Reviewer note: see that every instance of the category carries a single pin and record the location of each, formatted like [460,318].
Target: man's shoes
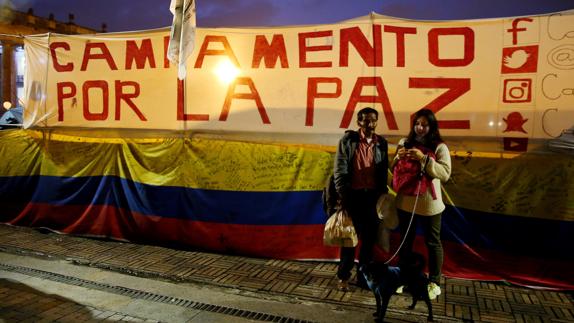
[343,285]
[434,290]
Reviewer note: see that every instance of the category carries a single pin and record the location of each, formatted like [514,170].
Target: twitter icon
[523,59]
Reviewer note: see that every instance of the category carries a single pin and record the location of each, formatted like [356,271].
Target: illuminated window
[20,69]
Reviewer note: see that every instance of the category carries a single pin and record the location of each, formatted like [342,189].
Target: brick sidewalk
[461,299]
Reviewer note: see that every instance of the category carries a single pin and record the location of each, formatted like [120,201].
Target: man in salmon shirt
[360,175]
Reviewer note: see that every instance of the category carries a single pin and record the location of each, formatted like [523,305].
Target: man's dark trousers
[361,206]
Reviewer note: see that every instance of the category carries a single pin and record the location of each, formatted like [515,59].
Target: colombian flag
[507,218]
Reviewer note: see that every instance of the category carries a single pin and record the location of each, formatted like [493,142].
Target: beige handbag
[387,211]
[339,231]
[383,237]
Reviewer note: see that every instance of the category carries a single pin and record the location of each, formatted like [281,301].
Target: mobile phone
[408,145]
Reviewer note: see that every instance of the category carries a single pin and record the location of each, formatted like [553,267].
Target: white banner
[510,77]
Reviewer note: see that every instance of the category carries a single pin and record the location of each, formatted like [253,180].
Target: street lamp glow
[226,71]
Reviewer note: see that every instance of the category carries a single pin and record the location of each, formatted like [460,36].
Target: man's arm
[341,169]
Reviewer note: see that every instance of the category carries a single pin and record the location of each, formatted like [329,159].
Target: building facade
[14,25]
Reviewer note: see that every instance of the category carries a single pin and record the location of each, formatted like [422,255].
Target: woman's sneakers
[434,290]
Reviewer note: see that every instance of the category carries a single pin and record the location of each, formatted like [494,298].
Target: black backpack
[330,196]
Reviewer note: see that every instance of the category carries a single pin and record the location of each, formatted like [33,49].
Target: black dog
[384,280]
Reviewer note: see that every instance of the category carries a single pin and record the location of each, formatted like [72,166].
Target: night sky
[124,15]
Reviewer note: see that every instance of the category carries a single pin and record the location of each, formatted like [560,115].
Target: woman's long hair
[432,138]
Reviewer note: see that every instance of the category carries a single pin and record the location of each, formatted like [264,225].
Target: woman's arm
[399,153]
[441,167]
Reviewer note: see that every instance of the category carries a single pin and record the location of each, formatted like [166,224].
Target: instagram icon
[517,90]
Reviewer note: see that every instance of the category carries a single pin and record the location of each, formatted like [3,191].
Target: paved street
[52,277]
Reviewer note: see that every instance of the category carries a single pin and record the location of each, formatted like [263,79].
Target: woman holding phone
[421,163]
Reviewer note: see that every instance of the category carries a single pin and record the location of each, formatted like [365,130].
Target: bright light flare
[226,71]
